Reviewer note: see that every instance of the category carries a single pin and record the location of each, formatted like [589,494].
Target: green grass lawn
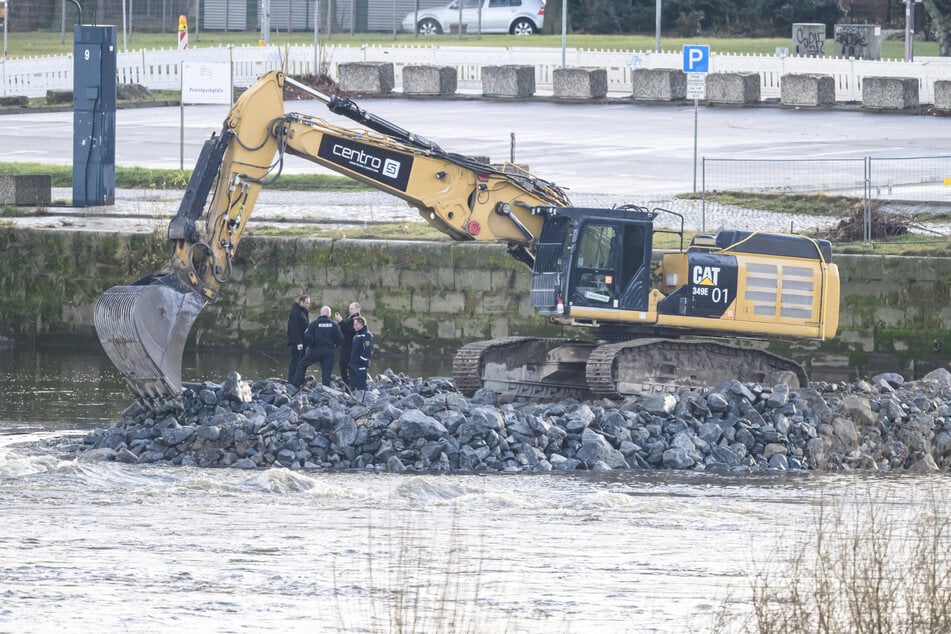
[153,178]
[40,43]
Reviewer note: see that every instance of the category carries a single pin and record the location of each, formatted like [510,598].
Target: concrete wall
[419,296]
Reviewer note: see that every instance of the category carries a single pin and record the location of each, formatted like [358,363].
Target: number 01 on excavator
[654,323]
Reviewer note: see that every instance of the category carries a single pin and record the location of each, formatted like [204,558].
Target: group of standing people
[317,341]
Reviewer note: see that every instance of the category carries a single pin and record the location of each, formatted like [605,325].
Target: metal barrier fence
[158,69]
[920,184]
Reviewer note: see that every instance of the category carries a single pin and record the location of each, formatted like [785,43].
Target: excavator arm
[143,326]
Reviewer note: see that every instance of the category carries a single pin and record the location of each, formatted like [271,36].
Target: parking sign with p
[696,58]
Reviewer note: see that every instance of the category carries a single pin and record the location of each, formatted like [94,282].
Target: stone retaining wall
[419,296]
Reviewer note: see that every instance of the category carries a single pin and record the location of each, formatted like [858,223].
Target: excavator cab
[595,259]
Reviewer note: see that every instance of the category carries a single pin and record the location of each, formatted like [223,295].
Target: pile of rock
[425,425]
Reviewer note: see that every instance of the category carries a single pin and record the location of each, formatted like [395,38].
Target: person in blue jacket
[322,337]
[360,353]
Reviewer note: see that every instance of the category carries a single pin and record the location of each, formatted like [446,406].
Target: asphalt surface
[603,153]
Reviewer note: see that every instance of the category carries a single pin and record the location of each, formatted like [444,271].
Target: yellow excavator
[654,323]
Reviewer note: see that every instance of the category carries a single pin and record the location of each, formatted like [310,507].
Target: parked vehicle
[518,17]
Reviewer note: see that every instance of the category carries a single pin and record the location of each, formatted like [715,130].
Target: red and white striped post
[182,32]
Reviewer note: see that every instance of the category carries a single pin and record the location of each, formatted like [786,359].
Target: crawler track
[556,368]
[663,365]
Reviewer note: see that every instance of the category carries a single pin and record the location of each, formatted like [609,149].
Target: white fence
[159,69]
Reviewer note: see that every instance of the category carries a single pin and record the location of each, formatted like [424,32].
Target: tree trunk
[552,25]
[940,13]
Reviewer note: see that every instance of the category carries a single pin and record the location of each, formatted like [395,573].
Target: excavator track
[558,368]
[644,366]
[531,367]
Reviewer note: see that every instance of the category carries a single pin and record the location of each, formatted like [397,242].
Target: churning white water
[106,547]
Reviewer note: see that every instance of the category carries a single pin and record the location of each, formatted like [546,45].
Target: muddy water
[113,547]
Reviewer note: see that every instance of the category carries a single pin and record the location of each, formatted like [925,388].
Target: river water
[115,547]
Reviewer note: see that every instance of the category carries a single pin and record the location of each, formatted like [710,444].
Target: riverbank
[406,424]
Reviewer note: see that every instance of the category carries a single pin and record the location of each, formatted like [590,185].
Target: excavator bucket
[143,329]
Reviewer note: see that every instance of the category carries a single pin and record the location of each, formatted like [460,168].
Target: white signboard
[206,82]
[696,86]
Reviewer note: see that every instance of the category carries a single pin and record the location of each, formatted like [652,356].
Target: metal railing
[920,183]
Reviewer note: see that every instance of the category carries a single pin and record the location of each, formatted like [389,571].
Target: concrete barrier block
[942,94]
[736,88]
[26,190]
[659,84]
[508,81]
[807,90]
[580,83]
[368,78]
[429,80]
[889,93]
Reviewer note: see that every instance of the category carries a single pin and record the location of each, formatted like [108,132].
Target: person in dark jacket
[297,321]
[346,327]
[322,337]
[360,353]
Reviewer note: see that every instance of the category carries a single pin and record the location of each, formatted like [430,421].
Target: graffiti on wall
[810,40]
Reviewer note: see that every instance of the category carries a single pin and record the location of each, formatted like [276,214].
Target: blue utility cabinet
[94,115]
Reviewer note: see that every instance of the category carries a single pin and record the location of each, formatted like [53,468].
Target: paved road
[603,153]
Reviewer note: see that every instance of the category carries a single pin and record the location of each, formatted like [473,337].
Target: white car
[518,17]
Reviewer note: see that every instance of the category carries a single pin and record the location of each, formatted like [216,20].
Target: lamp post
[265,22]
[564,30]
[657,26]
[910,29]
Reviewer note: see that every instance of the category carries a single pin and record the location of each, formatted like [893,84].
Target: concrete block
[429,80]
[737,88]
[368,78]
[659,84]
[580,83]
[808,39]
[942,94]
[508,81]
[889,93]
[861,41]
[26,190]
[807,90]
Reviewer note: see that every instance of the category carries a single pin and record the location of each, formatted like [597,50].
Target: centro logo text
[389,167]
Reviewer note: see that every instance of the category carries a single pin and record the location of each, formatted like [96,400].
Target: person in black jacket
[322,337]
[346,327]
[360,353]
[297,321]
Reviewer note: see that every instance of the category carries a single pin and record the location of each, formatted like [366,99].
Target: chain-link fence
[917,187]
